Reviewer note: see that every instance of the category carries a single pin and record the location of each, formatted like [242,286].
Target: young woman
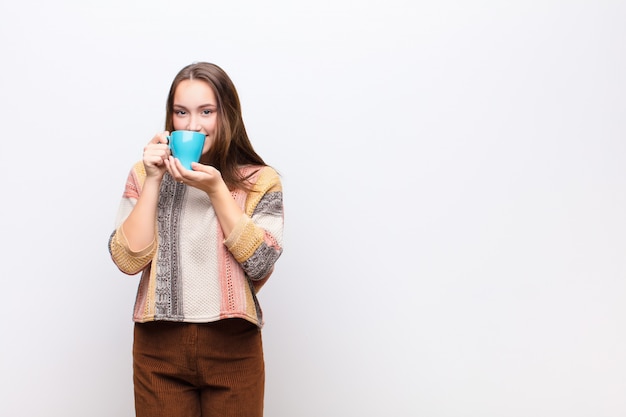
[205,241]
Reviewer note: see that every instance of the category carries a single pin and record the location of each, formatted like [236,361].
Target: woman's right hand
[154,155]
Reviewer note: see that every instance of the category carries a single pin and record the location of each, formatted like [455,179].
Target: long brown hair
[231,147]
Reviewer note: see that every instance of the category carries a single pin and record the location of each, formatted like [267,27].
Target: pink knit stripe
[134,182]
[141,312]
[233,280]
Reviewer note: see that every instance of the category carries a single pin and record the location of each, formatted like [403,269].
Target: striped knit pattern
[192,272]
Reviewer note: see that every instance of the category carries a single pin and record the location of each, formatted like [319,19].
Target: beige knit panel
[200,238]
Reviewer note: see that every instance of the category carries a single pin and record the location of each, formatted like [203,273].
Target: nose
[193,124]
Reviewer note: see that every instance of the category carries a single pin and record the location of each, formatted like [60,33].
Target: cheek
[178,124]
[210,126]
[208,141]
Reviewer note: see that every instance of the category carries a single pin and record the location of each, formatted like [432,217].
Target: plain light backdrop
[455,194]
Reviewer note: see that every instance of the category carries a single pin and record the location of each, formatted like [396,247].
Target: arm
[133,243]
[139,226]
[127,260]
[256,240]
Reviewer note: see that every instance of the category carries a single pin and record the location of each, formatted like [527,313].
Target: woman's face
[195,108]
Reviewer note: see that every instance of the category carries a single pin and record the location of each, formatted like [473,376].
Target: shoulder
[136,178]
[266,178]
[265,185]
[139,169]
[139,172]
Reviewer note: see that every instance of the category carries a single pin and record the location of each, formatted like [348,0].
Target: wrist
[219,191]
[153,178]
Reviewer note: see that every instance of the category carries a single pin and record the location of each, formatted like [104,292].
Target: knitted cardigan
[191,272]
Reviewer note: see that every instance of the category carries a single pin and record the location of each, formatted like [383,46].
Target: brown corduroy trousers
[198,370]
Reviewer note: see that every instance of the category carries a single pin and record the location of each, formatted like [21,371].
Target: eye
[207,112]
[180,112]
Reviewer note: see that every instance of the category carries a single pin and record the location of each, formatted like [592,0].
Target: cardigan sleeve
[256,240]
[128,261]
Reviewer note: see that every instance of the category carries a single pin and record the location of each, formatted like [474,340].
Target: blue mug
[186,145]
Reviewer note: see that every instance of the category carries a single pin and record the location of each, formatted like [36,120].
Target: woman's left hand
[203,177]
[209,180]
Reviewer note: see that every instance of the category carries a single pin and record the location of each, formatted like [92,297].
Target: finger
[172,168]
[160,138]
[197,166]
[156,150]
[179,166]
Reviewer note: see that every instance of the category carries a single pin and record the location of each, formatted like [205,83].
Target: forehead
[194,92]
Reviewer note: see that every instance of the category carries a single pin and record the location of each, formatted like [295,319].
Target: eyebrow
[180,106]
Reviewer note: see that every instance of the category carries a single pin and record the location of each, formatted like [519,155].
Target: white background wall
[455,191]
